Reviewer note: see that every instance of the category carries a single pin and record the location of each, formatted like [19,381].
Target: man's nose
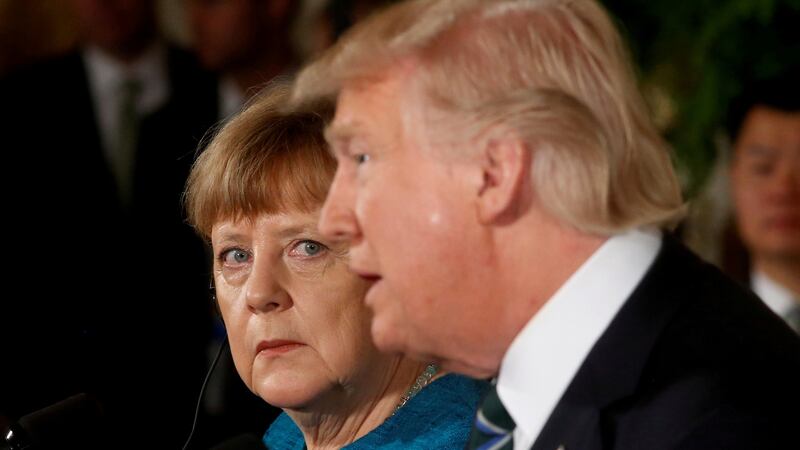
[337,219]
[785,183]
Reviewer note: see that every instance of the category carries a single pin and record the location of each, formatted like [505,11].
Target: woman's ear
[506,167]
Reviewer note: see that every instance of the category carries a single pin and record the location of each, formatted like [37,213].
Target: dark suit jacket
[107,300]
[692,361]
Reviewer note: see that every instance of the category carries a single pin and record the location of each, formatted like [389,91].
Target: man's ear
[505,161]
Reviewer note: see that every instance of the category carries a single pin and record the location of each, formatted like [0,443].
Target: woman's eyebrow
[228,234]
[296,229]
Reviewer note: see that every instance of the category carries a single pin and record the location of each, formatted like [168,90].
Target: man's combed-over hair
[554,72]
[267,159]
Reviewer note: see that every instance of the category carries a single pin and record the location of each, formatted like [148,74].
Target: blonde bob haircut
[267,159]
[555,73]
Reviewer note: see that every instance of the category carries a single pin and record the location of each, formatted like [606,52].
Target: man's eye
[361,158]
[308,248]
[235,256]
[761,169]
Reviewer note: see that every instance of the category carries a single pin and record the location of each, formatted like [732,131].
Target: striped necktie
[124,154]
[493,428]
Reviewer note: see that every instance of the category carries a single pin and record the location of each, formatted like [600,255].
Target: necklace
[422,380]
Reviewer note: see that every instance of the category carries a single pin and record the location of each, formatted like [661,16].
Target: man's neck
[127,57]
[130,51]
[350,413]
[562,251]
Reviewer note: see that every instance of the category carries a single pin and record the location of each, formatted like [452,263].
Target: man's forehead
[363,105]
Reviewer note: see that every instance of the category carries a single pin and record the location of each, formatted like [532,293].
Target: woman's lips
[277,347]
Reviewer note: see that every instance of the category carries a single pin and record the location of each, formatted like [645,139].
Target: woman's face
[298,329]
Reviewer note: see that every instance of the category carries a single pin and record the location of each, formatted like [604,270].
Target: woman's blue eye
[235,256]
[361,158]
[310,248]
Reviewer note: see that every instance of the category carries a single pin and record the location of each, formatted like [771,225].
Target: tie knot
[493,411]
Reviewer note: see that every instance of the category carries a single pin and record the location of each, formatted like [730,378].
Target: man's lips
[277,346]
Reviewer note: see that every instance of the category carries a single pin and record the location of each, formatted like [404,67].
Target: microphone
[203,390]
[76,422]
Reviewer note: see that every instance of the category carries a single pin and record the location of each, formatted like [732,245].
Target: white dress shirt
[106,74]
[779,299]
[545,356]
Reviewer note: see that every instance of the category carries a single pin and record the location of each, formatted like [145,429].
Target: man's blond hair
[554,72]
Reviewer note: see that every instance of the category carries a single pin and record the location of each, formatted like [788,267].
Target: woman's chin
[290,392]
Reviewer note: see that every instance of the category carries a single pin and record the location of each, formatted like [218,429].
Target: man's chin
[458,367]
[387,339]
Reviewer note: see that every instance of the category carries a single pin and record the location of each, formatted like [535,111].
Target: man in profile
[501,184]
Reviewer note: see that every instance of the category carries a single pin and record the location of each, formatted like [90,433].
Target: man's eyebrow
[759,150]
[337,133]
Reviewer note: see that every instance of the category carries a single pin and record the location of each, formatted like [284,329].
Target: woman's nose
[264,292]
[337,219]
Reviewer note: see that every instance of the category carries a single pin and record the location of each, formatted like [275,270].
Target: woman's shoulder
[440,416]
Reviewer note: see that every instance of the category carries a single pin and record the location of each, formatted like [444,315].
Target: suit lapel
[613,368]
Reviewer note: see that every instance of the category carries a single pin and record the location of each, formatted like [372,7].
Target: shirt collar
[545,356]
[779,299]
[106,74]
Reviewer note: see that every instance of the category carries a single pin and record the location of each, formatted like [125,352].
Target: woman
[298,327]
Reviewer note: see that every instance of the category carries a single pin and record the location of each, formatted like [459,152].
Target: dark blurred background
[107,290]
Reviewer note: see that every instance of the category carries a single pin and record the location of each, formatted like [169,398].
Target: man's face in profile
[766,183]
[408,216]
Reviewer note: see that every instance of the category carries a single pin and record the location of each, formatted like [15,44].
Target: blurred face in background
[765,179]
[230,33]
[121,27]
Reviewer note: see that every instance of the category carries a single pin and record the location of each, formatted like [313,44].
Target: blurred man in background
[765,183]
[99,141]
[246,42]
